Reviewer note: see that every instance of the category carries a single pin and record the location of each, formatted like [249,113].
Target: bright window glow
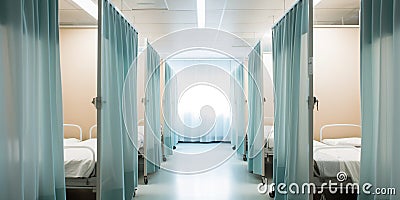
[198,96]
[88,6]
[201,13]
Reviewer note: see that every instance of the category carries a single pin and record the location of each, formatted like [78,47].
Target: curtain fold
[239,110]
[255,132]
[118,155]
[152,110]
[170,138]
[290,43]
[380,95]
[31,122]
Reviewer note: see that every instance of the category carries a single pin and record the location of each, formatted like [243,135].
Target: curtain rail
[283,17]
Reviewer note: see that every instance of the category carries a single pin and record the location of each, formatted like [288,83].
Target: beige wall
[268,89]
[141,77]
[337,79]
[78,52]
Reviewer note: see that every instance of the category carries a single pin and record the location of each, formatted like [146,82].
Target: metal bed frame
[81,183]
[75,126]
[334,125]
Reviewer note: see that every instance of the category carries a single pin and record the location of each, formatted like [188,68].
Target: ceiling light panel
[88,6]
[146,4]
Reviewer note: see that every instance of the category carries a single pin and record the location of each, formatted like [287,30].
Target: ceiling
[337,12]
[241,21]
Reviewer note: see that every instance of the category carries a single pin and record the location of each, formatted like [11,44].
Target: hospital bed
[140,137]
[268,141]
[140,141]
[336,160]
[332,156]
[140,147]
[330,160]
[80,161]
[73,139]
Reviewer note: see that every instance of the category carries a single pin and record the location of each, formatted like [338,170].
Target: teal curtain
[380,95]
[152,111]
[290,43]
[238,102]
[256,112]
[233,130]
[118,156]
[170,138]
[31,122]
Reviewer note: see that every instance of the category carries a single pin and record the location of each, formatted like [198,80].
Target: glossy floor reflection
[230,180]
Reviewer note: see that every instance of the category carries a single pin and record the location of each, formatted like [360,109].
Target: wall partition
[31,120]
[117,155]
[292,48]
[380,95]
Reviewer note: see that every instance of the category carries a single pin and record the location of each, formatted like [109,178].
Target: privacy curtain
[255,132]
[170,138]
[152,110]
[118,156]
[31,123]
[380,95]
[291,160]
[238,106]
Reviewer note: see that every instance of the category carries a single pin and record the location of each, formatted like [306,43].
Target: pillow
[318,144]
[353,141]
[70,141]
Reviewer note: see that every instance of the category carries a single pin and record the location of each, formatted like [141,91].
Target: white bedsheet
[269,136]
[78,162]
[333,159]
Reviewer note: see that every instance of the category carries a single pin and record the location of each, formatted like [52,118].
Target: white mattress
[269,136]
[80,160]
[331,160]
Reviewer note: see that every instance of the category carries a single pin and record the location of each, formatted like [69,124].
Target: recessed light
[201,13]
[88,6]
